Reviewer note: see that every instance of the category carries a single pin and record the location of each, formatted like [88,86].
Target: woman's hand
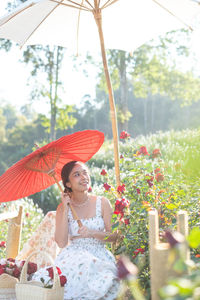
[84,232]
[65,200]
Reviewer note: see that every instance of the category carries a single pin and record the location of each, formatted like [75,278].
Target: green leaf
[194,238]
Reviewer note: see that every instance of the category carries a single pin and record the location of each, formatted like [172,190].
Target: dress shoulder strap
[70,216]
[98,207]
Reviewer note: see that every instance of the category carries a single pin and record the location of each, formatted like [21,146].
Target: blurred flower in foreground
[125,268]
[174,238]
[127,272]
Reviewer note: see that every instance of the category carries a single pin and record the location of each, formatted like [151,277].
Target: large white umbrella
[80,24]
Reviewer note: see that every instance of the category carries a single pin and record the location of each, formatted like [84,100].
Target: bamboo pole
[98,19]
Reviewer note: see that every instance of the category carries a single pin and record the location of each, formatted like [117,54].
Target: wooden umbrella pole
[98,19]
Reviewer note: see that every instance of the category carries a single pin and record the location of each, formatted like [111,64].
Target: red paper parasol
[42,168]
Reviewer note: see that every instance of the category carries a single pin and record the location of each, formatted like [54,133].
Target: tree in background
[46,62]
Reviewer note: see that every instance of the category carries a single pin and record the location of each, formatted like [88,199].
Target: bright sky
[14,76]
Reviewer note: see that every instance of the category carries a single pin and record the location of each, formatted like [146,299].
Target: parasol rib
[166,9]
[108,3]
[40,24]
[79,14]
[68,5]
[88,3]
[14,15]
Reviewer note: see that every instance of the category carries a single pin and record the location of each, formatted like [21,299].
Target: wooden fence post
[159,251]
[14,235]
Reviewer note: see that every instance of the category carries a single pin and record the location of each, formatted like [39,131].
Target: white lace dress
[89,267]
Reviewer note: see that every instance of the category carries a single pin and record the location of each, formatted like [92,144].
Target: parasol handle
[52,173]
[75,216]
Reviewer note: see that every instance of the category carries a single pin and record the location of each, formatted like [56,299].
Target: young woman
[89,267]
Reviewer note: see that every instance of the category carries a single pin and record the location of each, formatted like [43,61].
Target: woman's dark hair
[66,170]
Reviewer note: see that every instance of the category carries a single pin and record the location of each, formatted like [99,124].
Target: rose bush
[152,177]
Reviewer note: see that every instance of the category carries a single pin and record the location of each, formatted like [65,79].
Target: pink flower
[103,172]
[124,135]
[107,187]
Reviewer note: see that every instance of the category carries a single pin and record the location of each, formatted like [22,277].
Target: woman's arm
[106,235]
[61,232]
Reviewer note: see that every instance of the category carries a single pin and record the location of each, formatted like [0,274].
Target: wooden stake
[14,235]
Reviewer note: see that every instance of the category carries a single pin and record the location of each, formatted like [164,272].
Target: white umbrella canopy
[79,25]
[126,24]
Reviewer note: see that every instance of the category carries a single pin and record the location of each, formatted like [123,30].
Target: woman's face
[79,178]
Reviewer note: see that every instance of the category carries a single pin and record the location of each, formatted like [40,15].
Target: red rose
[32,268]
[121,188]
[11,260]
[120,205]
[156,153]
[137,251]
[107,187]
[150,180]
[138,191]
[3,244]
[157,170]
[143,150]
[159,177]
[126,221]
[2,270]
[16,272]
[51,273]
[90,189]
[27,215]
[121,156]
[103,172]
[63,280]
[124,135]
